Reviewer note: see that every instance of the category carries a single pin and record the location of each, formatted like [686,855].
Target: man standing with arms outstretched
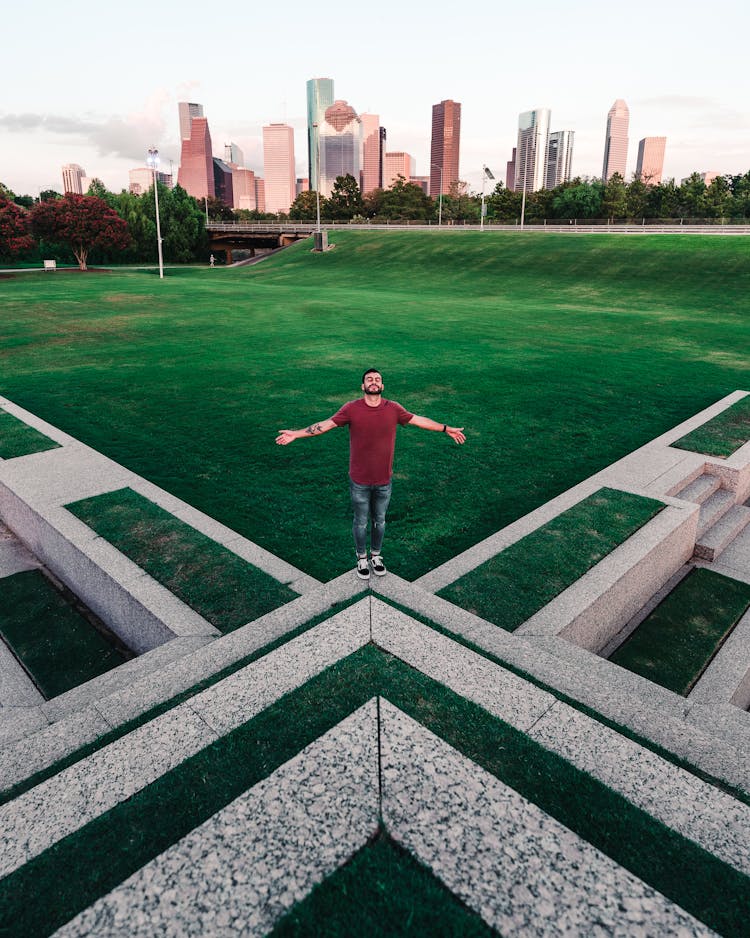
[372,422]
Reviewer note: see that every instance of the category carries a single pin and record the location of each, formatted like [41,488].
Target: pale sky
[97,84]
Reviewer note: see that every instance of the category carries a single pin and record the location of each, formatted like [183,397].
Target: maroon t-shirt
[372,438]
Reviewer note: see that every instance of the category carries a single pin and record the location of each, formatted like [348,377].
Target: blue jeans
[369,501]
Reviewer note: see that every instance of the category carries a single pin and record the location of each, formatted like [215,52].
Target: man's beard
[374,391]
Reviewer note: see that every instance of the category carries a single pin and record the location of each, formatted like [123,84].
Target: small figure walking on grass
[211,261]
[372,422]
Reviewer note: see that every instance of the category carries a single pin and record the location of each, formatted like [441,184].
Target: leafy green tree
[98,189]
[47,194]
[503,204]
[614,198]
[83,222]
[25,201]
[460,205]
[692,195]
[718,200]
[663,201]
[217,210]
[345,200]
[15,230]
[740,186]
[636,198]
[578,199]
[304,207]
[183,224]
[404,201]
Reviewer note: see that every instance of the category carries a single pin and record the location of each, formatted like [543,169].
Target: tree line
[105,227]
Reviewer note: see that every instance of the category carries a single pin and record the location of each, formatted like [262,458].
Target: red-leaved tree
[83,222]
[15,231]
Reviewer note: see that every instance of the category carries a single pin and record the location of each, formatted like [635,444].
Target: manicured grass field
[218,584]
[56,645]
[722,435]
[509,588]
[19,439]
[558,354]
[55,885]
[676,642]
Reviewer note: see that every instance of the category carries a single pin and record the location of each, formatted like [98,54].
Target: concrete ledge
[727,677]
[595,608]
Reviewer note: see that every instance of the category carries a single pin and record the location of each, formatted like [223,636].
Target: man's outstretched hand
[455,433]
[285,437]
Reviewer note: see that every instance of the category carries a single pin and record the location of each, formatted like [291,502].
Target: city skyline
[103,108]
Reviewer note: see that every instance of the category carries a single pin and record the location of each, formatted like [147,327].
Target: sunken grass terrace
[557,354]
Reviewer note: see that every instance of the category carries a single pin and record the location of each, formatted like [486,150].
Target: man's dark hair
[369,372]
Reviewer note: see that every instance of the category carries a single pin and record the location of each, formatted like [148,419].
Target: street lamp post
[317,175]
[486,174]
[153,161]
[440,198]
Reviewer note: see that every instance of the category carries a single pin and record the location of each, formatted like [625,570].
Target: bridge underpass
[226,237]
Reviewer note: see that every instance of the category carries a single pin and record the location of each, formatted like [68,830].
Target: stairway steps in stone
[700,489]
[710,544]
[713,509]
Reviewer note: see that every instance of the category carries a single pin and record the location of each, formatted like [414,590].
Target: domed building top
[339,114]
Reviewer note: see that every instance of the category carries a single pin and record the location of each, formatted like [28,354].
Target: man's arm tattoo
[313,429]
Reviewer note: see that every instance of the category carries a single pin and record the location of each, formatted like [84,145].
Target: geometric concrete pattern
[682,762]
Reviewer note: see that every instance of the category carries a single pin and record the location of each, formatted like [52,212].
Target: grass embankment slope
[557,353]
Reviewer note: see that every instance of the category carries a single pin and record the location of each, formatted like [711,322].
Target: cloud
[128,137]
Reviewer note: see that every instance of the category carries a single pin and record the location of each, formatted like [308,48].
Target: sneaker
[363,568]
[378,567]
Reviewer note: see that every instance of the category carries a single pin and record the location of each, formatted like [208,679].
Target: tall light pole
[486,174]
[317,174]
[440,198]
[153,161]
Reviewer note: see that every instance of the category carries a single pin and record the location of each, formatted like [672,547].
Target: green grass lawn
[677,641]
[557,354]
[510,587]
[722,435]
[19,439]
[218,584]
[56,645]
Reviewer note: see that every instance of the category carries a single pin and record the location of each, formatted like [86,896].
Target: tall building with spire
[340,145]
[319,99]
[196,174]
[616,140]
[445,147]
[187,111]
[531,150]
[278,167]
[650,165]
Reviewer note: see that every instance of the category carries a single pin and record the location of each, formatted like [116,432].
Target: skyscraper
[510,171]
[559,158]
[243,188]
[444,151]
[278,167]
[616,140]
[187,111]
[319,99]
[233,155]
[196,174]
[531,150]
[397,164]
[650,164]
[73,176]
[223,181]
[373,154]
[340,145]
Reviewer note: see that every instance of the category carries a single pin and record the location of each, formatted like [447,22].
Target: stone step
[720,535]
[713,509]
[700,489]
